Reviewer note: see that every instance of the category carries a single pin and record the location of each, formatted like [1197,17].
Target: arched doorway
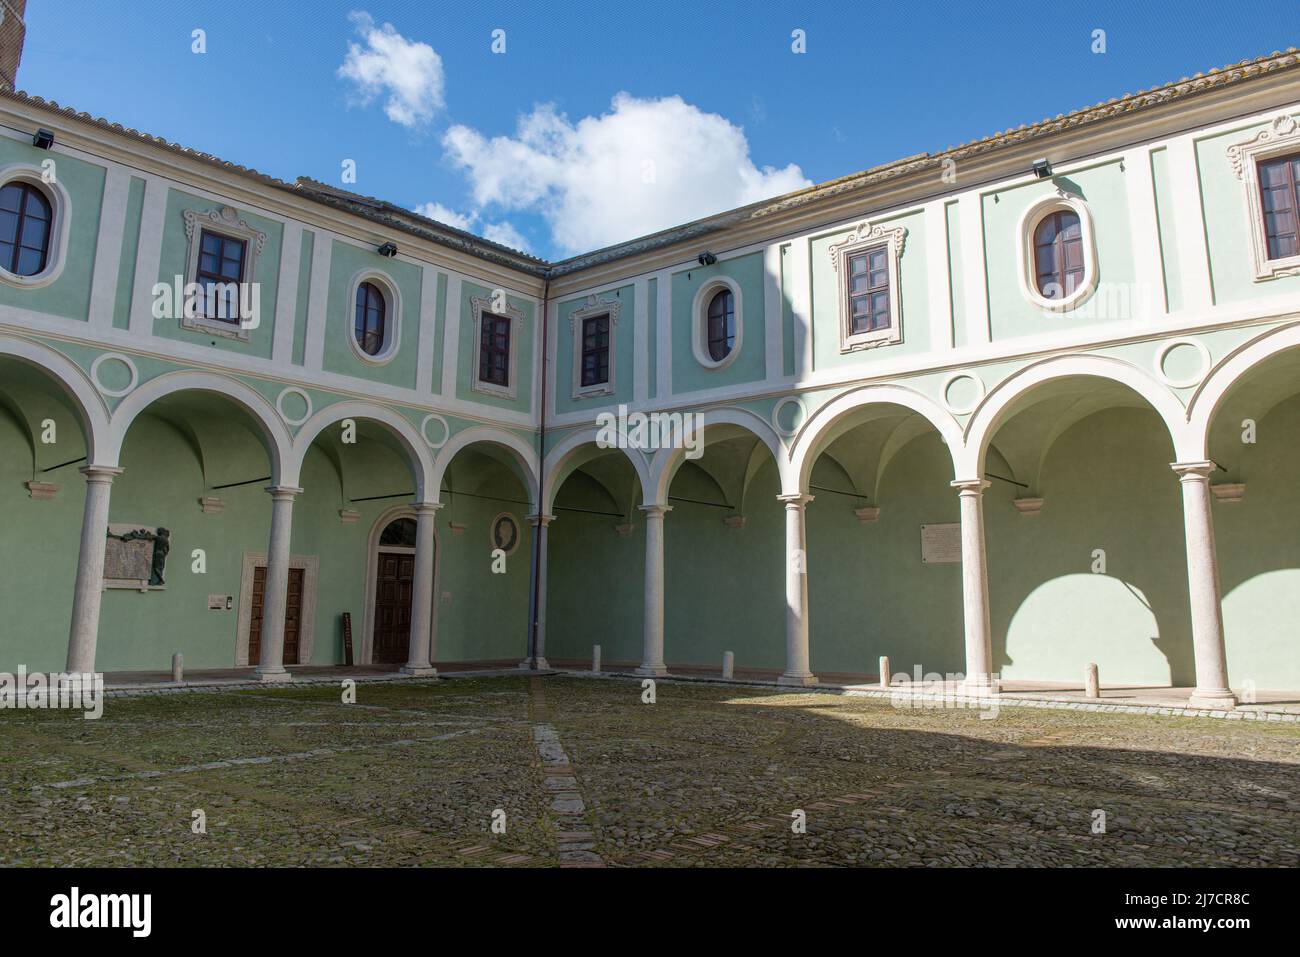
[390,587]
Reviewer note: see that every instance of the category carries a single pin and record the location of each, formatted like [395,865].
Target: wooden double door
[394,586]
[292,616]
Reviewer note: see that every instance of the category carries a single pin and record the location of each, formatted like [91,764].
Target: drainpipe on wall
[533,596]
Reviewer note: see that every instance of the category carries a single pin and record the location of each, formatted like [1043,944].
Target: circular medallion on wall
[788,416]
[963,392]
[294,406]
[1182,363]
[114,374]
[435,430]
[504,532]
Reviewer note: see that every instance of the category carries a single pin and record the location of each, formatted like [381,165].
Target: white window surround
[1281,137]
[392,316]
[225,221]
[700,321]
[593,307]
[865,237]
[60,225]
[479,306]
[1029,220]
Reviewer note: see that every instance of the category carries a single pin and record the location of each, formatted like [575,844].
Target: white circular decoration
[114,357]
[776,416]
[279,405]
[964,408]
[1188,381]
[446,430]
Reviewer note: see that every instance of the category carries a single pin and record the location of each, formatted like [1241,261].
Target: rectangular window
[869,291]
[494,350]
[1277,192]
[595,350]
[221,270]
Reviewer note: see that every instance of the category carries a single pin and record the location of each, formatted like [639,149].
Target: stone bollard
[884,671]
[595,659]
[1091,686]
[178,668]
[728,665]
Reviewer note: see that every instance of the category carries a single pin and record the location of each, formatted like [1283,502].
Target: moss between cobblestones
[412,773]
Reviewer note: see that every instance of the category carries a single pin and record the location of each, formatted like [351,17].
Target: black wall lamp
[388,249]
[707,258]
[1042,168]
[43,139]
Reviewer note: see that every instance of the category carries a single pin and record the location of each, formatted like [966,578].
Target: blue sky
[715,107]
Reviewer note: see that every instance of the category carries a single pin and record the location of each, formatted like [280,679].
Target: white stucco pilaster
[975,278]
[286,296]
[147,257]
[1189,225]
[108,247]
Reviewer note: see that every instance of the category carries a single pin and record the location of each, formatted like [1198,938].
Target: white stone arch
[400,427]
[1227,373]
[278,444]
[524,454]
[664,464]
[76,385]
[991,411]
[803,454]
[556,467]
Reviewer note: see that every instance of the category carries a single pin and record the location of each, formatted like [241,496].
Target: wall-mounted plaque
[135,557]
[941,544]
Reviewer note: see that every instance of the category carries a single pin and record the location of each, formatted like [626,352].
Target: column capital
[283,492]
[656,509]
[100,473]
[423,507]
[973,486]
[1194,471]
[542,520]
[795,499]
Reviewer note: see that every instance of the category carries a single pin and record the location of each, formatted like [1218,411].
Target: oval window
[25,220]
[1058,254]
[721,325]
[370,319]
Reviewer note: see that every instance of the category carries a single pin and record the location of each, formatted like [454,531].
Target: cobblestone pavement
[586,773]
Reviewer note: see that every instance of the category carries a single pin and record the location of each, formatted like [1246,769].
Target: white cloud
[473,222]
[408,73]
[646,165]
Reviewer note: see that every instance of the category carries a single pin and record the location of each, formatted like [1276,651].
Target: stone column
[652,654]
[1203,588]
[975,589]
[275,600]
[796,593]
[420,659]
[540,525]
[89,589]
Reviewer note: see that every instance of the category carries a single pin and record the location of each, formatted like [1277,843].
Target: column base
[980,688]
[535,664]
[654,671]
[419,671]
[269,677]
[1217,700]
[797,679]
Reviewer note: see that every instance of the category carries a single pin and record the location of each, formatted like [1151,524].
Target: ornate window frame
[392,315]
[700,321]
[1034,214]
[862,238]
[479,306]
[56,256]
[593,307]
[225,221]
[1280,138]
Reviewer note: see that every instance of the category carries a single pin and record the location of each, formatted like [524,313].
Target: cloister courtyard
[554,770]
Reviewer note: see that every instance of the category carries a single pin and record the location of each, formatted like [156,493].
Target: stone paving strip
[261,759]
[574,835]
